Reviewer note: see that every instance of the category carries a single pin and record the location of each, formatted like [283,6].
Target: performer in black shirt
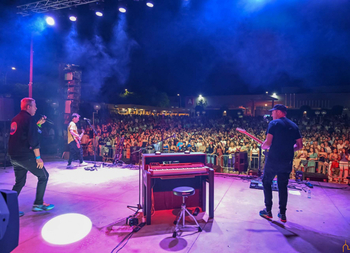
[24,151]
[283,138]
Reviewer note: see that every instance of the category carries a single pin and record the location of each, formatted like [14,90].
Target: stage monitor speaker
[316,177]
[241,161]
[9,241]
[7,110]
[241,157]
[134,157]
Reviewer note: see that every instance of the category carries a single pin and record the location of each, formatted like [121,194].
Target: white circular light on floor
[66,228]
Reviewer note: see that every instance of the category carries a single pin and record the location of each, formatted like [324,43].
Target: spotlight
[50,21]
[13,68]
[150,4]
[122,6]
[97,7]
[72,14]
[73,18]
[66,228]
[122,9]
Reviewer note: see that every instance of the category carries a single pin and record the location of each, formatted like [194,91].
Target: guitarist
[283,138]
[74,138]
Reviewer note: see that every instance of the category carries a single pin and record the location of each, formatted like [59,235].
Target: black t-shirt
[285,133]
[24,136]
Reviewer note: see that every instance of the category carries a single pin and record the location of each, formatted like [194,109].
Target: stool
[184,192]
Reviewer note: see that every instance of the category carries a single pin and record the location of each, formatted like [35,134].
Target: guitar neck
[249,135]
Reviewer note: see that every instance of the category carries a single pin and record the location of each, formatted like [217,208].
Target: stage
[317,224]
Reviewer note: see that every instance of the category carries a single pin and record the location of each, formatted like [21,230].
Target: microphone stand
[259,165]
[139,206]
[95,146]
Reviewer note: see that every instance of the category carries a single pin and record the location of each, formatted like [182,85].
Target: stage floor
[317,224]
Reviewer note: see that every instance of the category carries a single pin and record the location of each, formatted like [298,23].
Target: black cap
[279,107]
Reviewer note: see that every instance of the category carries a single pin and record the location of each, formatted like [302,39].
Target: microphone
[87,119]
[46,119]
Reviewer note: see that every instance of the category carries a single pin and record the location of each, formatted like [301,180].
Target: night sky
[192,47]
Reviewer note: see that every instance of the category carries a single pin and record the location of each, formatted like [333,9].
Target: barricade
[240,162]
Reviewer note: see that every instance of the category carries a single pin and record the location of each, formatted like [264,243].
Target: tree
[201,104]
[163,100]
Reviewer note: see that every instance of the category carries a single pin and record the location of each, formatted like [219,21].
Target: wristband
[37,157]
[39,125]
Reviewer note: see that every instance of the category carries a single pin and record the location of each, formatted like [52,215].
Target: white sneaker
[83,164]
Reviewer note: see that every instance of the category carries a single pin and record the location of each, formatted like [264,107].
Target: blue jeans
[231,161]
[211,159]
[255,162]
[225,160]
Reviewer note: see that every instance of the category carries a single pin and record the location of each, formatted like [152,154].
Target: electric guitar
[243,131]
[78,139]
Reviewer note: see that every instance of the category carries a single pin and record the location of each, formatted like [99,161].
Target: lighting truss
[49,5]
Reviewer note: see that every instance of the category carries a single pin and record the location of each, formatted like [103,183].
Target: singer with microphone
[24,151]
[75,149]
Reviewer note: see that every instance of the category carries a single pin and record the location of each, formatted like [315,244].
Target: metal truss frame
[49,5]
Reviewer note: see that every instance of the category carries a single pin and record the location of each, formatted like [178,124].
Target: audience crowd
[325,139]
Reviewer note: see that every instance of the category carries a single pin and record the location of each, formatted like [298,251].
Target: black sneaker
[283,217]
[265,214]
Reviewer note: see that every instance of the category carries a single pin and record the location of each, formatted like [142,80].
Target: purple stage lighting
[122,10]
[50,21]
[98,13]
[73,18]
[149,4]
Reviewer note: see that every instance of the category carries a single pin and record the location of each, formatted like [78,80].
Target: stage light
[73,18]
[97,7]
[150,4]
[13,68]
[122,9]
[66,228]
[122,6]
[50,21]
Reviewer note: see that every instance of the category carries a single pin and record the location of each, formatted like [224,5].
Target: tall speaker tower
[72,88]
